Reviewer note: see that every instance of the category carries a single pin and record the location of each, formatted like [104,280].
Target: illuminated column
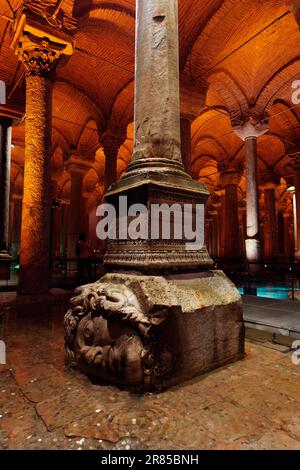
[111,146]
[289,246]
[297,205]
[186,143]
[5,162]
[243,224]
[222,224]
[55,220]
[214,233]
[16,224]
[39,51]
[77,169]
[230,181]
[35,232]
[270,220]
[249,132]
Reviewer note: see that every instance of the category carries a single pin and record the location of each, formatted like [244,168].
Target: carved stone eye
[88,334]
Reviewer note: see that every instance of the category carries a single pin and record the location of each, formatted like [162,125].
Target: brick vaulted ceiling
[235,56]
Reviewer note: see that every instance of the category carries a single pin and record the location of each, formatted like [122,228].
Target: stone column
[161,314]
[289,246]
[230,181]
[270,221]
[16,224]
[5,162]
[214,233]
[35,232]
[186,143]
[39,48]
[77,169]
[55,220]
[297,204]
[249,132]
[157,101]
[111,146]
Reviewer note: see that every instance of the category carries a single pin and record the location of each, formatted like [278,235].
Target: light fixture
[291,189]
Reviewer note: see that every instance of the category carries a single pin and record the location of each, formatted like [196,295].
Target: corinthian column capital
[111,144]
[39,46]
[39,61]
[251,127]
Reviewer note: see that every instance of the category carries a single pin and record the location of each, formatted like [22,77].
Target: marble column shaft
[297,211]
[253,242]
[36,211]
[5,163]
[157,101]
[270,223]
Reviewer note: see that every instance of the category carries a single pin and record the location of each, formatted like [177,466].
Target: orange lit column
[296,166]
[111,146]
[186,143]
[5,161]
[270,221]
[249,132]
[214,233]
[55,219]
[77,210]
[16,224]
[230,181]
[288,235]
[35,232]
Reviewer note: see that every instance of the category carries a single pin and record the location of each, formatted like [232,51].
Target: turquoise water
[271,292]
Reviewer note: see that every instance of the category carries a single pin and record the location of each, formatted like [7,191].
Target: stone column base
[150,332]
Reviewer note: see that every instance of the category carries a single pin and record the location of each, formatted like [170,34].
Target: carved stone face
[109,335]
[110,349]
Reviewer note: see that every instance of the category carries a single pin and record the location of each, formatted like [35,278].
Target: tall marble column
[111,146]
[5,162]
[16,224]
[230,181]
[297,205]
[270,220]
[186,143]
[77,210]
[249,132]
[35,232]
[289,246]
[39,49]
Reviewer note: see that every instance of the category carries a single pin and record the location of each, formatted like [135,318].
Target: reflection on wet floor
[253,404]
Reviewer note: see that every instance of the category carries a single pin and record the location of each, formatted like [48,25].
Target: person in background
[84,253]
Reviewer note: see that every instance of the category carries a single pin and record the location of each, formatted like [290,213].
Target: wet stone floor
[253,404]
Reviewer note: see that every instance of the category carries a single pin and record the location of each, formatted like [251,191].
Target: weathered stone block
[154,331]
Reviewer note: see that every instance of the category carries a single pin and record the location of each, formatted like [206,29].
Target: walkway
[281,317]
[252,404]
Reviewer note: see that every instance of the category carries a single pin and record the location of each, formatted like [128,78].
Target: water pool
[279,292]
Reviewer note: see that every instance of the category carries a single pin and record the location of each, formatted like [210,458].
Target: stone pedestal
[150,332]
[161,316]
